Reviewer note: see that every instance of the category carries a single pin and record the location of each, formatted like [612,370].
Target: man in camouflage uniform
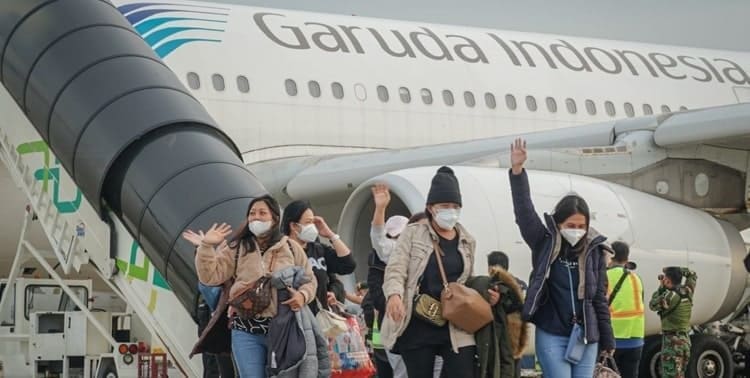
[673,301]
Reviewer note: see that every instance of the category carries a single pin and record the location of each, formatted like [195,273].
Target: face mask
[447,218]
[259,228]
[572,235]
[308,233]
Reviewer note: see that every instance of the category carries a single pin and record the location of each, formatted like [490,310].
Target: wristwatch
[334,238]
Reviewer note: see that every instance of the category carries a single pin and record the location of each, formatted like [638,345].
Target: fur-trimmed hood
[518,330]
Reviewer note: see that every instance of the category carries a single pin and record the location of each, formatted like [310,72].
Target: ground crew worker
[626,307]
[673,301]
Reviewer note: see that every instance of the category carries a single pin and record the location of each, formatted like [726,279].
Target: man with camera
[673,301]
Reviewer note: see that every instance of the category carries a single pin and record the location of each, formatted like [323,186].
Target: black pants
[382,365]
[627,361]
[420,362]
[214,365]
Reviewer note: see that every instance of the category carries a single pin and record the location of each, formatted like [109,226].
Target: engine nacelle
[660,232]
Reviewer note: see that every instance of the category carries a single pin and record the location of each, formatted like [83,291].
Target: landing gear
[709,358]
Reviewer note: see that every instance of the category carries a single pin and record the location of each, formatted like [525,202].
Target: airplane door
[742,94]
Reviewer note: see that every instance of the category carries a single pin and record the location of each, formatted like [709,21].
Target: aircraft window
[571,105]
[291,87]
[551,105]
[647,110]
[469,99]
[314,88]
[629,109]
[218,82]
[489,100]
[665,109]
[610,107]
[194,81]
[383,93]
[338,90]
[531,103]
[403,92]
[242,84]
[683,108]
[360,92]
[510,101]
[426,96]
[448,97]
[590,107]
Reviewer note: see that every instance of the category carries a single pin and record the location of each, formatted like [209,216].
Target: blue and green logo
[166,27]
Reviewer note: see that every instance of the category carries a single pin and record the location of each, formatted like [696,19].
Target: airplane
[244,100]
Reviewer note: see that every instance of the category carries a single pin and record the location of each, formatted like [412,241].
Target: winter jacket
[315,363]
[503,340]
[407,264]
[545,244]
[214,268]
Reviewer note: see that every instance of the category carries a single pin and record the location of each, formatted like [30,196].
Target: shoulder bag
[463,306]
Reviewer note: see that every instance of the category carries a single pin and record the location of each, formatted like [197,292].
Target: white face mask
[572,235]
[447,218]
[259,228]
[308,233]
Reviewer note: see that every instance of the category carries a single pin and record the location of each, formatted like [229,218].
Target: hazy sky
[710,24]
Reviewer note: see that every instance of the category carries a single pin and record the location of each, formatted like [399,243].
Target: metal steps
[69,242]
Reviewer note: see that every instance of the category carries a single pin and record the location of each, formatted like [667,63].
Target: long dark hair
[570,205]
[244,237]
[292,214]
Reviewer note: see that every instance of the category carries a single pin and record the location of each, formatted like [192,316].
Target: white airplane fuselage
[358,55]
[286,84]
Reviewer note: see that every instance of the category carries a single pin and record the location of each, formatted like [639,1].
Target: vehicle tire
[709,358]
[650,357]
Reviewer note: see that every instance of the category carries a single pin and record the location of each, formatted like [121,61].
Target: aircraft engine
[660,232]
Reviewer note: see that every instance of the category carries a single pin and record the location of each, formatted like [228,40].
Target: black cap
[444,188]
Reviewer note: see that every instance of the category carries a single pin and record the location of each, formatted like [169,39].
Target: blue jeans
[211,295]
[249,353]
[550,350]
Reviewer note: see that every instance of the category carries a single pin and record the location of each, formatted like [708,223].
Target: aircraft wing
[320,176]
[724,127]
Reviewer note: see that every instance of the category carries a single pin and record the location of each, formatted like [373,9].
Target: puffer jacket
[545,243]
[315,363]
[406,264]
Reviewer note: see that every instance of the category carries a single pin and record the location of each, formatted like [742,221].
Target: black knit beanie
[444,188]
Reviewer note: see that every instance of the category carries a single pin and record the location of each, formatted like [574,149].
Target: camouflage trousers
[675,353]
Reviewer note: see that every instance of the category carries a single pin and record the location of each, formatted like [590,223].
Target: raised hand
[322,227]
[192,237]
[381,195]
[217,234]
[517,155]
